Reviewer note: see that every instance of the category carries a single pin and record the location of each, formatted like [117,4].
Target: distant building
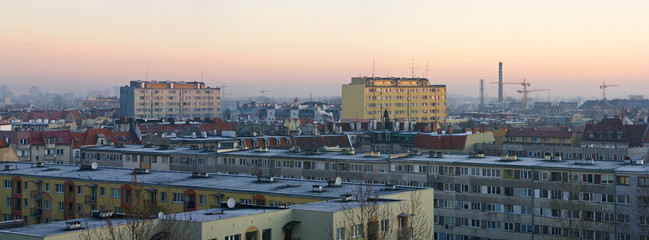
[152,99]
[408,99]
[101,102]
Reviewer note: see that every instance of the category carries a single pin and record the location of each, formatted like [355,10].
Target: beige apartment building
[166,99]
[405,99]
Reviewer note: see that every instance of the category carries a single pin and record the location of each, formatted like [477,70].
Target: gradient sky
[298,47]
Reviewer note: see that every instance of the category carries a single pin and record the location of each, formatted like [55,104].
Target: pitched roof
[613,130]
[538,133]
[60,137]
[319,141]
[440,142]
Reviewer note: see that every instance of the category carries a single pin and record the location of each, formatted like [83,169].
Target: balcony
[23,147]
[35,194]
[91,199]
[50,146]
[36,212]
[404,234]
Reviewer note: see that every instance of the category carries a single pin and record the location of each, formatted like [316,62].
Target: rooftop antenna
[412,67]
[426,76]
[373,65]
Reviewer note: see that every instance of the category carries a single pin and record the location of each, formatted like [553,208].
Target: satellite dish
[338,181]
[94,165]
[161,215]
[231,203]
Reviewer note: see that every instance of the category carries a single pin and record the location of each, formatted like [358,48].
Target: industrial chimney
[481,94]
[500,82]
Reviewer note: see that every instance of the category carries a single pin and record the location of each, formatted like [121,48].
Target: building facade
[405,99]
[152,99]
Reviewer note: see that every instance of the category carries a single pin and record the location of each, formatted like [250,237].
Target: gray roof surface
[216,182]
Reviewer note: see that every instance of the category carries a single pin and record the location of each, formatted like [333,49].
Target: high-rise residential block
[405,99]
[154,99]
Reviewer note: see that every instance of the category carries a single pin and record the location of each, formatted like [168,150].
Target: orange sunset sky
[299,47]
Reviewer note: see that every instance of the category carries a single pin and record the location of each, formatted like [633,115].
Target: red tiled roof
[3,144]
[609,130]
[312,142]
[440,142]
[60,137]
[77,139]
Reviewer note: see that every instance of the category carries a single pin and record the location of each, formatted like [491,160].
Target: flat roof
[451,159]
[184,180]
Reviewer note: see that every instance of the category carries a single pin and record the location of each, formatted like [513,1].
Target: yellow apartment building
[153,99]
[405,99]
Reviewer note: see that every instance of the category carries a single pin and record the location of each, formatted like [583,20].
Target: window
[201,199]
[47,187]
[384,225]
[8,201]
[526,192]
[526,174]
[26,203]
[79,208]
[622,180]
[61,206]
[47,205]
[526,228]
[79,190]
[102,191]
[266,234]
[508,226]
[623,199]
[178,197]
[8,184]
[642,181]
[163,197]
[59,188]
[115,193]
[340,233]
[233,237]
[26,186]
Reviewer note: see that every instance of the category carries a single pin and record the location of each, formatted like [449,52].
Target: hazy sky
[298,47]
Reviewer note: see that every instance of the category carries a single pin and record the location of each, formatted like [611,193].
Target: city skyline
[295,48]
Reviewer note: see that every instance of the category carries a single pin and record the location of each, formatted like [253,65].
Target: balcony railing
[405,233]
[35,194]
[35,212]
[91,199]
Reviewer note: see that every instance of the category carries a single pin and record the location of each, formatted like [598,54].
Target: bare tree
[366,216]
[143,220]
[418,227]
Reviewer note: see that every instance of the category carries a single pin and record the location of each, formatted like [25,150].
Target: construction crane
[604,86]
[264,91]
[525,92]
[524,83]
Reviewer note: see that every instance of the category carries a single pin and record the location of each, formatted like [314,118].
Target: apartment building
[153,99]
[38,193]
[316,220]
[404,99]
[503,197]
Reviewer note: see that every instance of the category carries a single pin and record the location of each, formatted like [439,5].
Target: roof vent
[346,197]
[164,147]
[318,188]
[141,171]
[552,157]
[218,212]
[265,179]
[314,151]
[479,154]
[200,175]
[102,214]
[91,166]
[349,151]
[435,154]
[390,187]
[373,154]
[508,158]
[73,225]
[335,183]
[261,149]
[9,167]
[586,162]
[38,164]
